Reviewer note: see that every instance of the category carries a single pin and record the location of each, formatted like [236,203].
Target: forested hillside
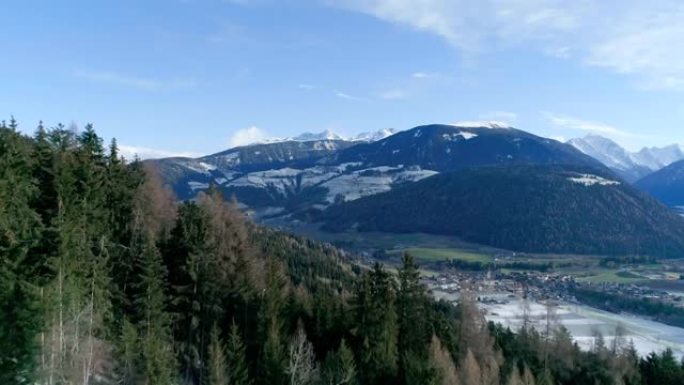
[545,209]
[106,279]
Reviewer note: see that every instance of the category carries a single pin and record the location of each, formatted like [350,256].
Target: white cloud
[469,24]
[568,122]
[346,96]
[247,136]
[393,94]
[648,44]
[130,152]
[632,37]
[146,84]
[425,75]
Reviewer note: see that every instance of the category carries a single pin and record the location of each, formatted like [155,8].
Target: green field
[434,255]
[613,277]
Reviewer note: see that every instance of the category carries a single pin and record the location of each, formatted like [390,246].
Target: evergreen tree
[236,359]
[339,367]
[20,230]
[273,356]
[377,328]
[414,326]
[216,368]
[155,324]
[183,257]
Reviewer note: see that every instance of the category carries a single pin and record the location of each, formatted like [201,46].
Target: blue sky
[195,76]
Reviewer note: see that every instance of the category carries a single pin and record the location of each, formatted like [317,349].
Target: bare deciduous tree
[301,367]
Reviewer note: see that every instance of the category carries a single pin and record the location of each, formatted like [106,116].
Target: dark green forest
[105,278]
[530,208]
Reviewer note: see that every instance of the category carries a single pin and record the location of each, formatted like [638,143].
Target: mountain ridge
[632,166]
[666,184]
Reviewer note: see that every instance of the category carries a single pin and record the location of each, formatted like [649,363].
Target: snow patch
[371,181]
[590,180]
[194,186]
[459,135]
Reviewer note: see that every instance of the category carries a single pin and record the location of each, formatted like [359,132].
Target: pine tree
[155,324]
[184,258]
[127,354]
[414,326]
[216,367]
[339,367]
[377,328]
[273,356]
[20,230]
[236,359]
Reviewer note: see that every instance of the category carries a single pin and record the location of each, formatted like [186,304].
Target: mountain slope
[561,209]
[658,157]
[188,176]
[279,177]
[632,166]
[446,147]
[666,184]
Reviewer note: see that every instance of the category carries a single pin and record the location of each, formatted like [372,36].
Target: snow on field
[583,322]
[228,160]
[590,180]
[338,180]
[371,181]
[284,179]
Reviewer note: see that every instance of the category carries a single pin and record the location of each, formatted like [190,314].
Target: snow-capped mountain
[294,175]
[656,158]
[481,124]
[630,165]
[287,183]
[328,134]
[309,136]
[374,136]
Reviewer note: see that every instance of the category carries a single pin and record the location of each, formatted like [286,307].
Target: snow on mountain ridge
[481,124]
[370,136]
[633,165]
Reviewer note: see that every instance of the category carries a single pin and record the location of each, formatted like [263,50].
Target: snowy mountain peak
[631,165]
[370,136]
[481,124]
[309,137]
[374,136]
[605,150]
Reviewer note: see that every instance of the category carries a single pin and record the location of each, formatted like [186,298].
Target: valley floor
[582,321]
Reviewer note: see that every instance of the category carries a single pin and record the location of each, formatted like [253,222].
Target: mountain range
[322,171]
[666,184]
[517,190]
[632,166]
[328,134]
